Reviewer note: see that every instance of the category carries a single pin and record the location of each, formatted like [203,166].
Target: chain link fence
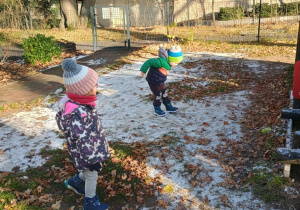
[156,21]
[238,20]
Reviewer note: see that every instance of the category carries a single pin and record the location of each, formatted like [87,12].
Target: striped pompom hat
[175,54]
[78,79]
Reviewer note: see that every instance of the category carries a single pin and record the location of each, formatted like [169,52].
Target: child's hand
[142,73]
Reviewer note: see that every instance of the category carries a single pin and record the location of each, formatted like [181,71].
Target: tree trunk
[85,14]
[85,10]
[213,11]
[69,12]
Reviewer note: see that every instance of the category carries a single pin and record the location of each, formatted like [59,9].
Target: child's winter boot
[76,184]
[158,111]
[170,108]
[94,204]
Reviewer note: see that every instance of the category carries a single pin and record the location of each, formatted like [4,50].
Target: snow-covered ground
[127,116]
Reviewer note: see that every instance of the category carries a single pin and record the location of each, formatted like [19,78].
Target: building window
[113,12]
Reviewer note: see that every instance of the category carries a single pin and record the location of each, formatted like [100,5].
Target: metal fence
[152,21]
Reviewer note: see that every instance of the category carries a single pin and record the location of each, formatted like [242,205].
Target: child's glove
[95,167]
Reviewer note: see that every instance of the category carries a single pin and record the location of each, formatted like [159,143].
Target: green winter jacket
[156,63]
[159,69]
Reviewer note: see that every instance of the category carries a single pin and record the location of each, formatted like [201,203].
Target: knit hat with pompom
[78,79]
[175,54]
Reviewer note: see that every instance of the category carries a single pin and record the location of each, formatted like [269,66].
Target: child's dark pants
[157,90]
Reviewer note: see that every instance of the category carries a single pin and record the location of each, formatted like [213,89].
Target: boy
[157,75]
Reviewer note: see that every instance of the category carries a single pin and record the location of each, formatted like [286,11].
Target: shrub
[227,13]
[40,48]
[289,9]
[265,10]
[268,10]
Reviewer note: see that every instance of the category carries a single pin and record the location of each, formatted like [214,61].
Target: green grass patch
[16,184]
[6,197]
[9,201]
[267,186]
[121,151]
[13,106]
[289,77]
[57,156]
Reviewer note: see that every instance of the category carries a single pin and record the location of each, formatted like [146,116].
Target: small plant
[70,28]
[172,37]
[169,188]
[189,37]
[40,49]
[267,186]
[266,130]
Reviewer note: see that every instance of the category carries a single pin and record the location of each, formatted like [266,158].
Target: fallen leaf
[56,206]
[206,124]
[223,198]
[206,201]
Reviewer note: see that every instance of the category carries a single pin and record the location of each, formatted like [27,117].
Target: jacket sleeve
[80,131]
[153,62]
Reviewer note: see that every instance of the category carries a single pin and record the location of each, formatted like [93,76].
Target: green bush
[266,10]
[40,48]
[289,9]
[228,13]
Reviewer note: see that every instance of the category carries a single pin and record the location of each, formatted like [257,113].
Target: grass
[268,186]
[289,77]
[24,106]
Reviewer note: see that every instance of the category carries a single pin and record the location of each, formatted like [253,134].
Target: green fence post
[253,11]
[168,14]
[259,17]
[124,25]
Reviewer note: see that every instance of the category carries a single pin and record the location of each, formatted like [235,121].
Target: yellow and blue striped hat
[175,54]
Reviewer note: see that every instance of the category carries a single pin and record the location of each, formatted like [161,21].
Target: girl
[79,121]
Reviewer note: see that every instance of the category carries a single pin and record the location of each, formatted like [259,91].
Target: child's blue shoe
[170,108]
[94,204]
[76,184]
[158,111]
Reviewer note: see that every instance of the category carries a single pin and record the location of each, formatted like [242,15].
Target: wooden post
[287,170]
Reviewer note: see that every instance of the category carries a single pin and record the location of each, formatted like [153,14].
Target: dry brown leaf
[206,124]
[224,198]
[140,199]
[114,173]
[56,206]
[206,201]
[162,203]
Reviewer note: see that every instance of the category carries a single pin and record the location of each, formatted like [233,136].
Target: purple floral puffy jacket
[82,128]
